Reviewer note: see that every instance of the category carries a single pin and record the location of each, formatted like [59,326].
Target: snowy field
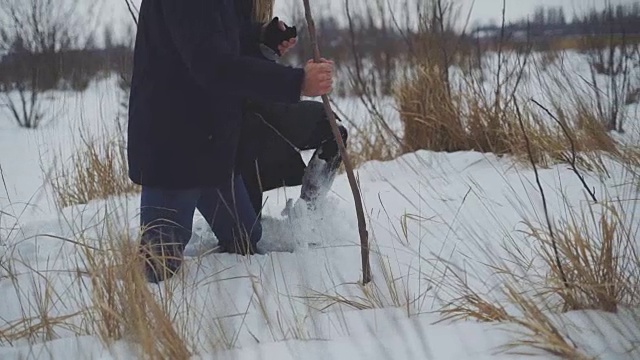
[431,216]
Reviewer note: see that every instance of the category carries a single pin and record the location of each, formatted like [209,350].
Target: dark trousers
[273,136]
[166,218]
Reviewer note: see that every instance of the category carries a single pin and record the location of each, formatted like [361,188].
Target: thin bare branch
[574,156]
[544,198]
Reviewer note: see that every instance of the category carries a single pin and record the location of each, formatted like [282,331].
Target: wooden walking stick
[362,224]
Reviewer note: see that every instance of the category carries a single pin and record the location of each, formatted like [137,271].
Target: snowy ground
[460,207]
[466,209]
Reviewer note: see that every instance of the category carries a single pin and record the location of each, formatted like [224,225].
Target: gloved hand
[276,33]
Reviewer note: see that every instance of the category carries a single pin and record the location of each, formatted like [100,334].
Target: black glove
[274,36]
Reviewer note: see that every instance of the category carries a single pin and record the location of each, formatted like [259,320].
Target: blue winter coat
[191,73]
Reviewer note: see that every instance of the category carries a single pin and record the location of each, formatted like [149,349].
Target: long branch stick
[131,8]
[362,224]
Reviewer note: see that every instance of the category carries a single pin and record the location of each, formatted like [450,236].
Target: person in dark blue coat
[273,134]
[191,77]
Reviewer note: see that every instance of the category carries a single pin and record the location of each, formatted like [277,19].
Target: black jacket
[194,65]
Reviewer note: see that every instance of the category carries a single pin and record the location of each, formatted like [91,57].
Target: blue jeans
[166,218]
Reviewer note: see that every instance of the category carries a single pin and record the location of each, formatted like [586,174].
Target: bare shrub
[444,109]
[612,65]
[34,33]
[470,120]
[633,97]
[425,96]
[446,106]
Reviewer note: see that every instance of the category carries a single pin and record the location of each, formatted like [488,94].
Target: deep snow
[462,206]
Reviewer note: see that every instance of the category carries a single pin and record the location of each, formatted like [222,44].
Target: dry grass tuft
[599,259]
[97,170]
[438,117]
[468,303]
[124,307]
[543,334]
[370,143]
[44,326]
[630,157]
[430,115]
[44,316]
[474,306]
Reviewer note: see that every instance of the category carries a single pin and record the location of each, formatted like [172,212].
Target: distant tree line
[73,67]
[552,22]
[50,45]
[69,67]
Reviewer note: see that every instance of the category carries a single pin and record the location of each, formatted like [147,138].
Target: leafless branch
[544,198]
[35,32]
[572,160]
[357,77]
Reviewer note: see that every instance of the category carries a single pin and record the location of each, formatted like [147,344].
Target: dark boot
[322,170]
[161,260]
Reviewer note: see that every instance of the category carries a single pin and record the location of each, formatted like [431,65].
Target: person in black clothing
[273,134]
[194,69]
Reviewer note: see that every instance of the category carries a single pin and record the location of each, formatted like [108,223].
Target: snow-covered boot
[321,171]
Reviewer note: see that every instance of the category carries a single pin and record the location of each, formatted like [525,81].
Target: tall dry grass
[588,259]
[97,169]
[599,259]
[439,117]
[599,270]
[106,296]
[125,308]
[453,98]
